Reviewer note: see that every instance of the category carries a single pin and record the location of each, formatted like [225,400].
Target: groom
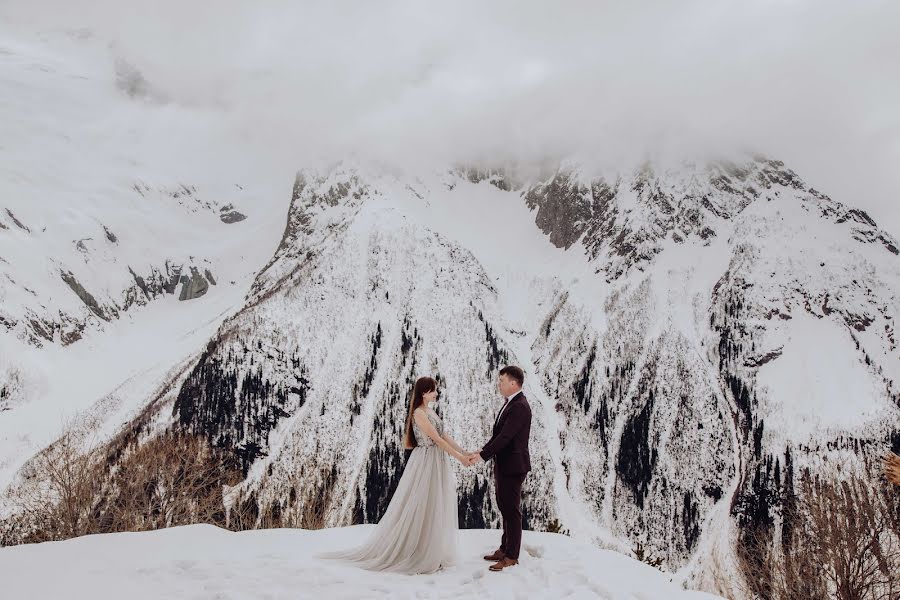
[508,447]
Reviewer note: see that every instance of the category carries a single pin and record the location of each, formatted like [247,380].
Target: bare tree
[173,479]
[848,530]
[57,495]
[840,539]
[68,491]
[243,514]
[306,508]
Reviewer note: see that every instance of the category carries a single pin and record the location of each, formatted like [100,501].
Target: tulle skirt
[418,532]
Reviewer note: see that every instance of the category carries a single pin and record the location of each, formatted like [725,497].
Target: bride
[418,531]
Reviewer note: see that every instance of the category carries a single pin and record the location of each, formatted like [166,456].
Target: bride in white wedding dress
[418,532]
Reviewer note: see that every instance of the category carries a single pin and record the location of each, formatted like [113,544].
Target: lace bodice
[422,438]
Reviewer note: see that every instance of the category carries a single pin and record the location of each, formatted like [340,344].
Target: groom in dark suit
[508,447]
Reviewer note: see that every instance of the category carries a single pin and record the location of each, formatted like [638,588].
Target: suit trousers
[509,501]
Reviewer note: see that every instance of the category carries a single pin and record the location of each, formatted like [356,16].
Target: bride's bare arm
[429,430]
[453,444]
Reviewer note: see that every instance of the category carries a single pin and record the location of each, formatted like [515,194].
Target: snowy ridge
[92,225]
[116,261]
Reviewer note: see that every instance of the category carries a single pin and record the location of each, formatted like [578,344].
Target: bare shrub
[306,507]
[554,526]
[174,479]
[55,497]
[316,501]
[850,533]
[243,514]
[68,491]
[642,555]
[840,539]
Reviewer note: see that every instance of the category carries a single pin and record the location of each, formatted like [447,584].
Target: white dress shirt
[508,399]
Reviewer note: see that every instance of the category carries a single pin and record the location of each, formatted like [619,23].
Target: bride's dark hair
[422,387]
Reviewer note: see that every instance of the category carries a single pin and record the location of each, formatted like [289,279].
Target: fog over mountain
[810,82]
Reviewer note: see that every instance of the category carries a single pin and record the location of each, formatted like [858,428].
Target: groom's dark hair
[515,373]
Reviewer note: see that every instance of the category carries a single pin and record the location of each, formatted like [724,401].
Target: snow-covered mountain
[687,334]
[117,257]
[691,332]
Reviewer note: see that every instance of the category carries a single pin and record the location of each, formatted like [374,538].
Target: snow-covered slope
[118,257]
[201,561]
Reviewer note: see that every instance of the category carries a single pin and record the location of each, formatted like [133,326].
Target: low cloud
[813,82]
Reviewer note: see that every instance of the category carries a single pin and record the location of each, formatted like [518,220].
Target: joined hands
[471,458]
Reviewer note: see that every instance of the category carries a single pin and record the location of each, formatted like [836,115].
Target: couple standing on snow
[418,532]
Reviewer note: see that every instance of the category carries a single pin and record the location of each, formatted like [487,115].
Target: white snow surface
[815,385]
[202,561]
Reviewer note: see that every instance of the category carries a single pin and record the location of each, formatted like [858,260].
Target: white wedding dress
[418,532]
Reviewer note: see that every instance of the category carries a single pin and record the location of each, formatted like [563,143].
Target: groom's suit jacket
[508,445]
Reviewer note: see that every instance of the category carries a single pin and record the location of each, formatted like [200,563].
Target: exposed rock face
[106,274]
[85,296]
[16,222]
[228,215]
[110,235]
[232,216]
[194,286]
[564,208]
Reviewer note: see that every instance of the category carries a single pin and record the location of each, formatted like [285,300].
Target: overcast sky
[815,83]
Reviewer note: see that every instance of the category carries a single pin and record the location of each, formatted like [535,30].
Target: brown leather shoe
[503,563]
[497,555]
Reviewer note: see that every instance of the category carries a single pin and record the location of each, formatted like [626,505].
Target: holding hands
[471,458]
